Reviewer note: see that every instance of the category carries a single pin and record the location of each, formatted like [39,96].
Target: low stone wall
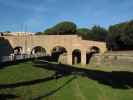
[112,59]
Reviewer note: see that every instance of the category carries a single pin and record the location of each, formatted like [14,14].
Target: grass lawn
[26,82]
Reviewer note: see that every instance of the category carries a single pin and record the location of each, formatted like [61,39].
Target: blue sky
[37,15]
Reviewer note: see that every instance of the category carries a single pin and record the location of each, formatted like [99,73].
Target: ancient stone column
[83,57]
[48,52]
[69,58]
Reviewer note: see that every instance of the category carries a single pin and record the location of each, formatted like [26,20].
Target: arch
[76,56]
[57,52]
[93,50]
[18,50]
[38,50]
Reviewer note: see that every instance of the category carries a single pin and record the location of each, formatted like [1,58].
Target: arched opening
[18,50]
[93,50]
[38,50]
[57,52]
[76,56]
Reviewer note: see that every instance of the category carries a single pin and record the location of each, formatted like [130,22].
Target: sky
[38,15]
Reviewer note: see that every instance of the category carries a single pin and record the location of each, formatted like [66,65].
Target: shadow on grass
[115,79]
[7,96]
[9,63]
[55,90]
[56,76]
[32,82]
[15,62]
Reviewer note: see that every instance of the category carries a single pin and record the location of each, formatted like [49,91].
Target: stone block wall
[112,59]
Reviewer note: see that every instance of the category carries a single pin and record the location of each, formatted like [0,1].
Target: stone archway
[93,50]
[70,42]
[76,56]
[38,50]
[58,52]
[18,50]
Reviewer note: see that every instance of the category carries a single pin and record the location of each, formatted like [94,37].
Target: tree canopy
[62,28]
[38,33]
[121,36]
[99,33]
[96,33]
[85,33]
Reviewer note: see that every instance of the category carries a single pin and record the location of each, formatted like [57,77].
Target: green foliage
[97,33]
[7,31]
[62,28]
[39,33]
[121,36]
[65,28]
[50,31]
[85,33]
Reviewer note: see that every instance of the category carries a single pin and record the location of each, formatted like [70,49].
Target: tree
[62,28]
[99,33]
[7,31]
[121,36]
[50,31]
[85,33]
[38,33]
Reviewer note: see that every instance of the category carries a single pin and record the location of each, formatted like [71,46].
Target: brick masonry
[69,42]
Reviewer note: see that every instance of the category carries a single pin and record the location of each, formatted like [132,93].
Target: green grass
[66,88]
